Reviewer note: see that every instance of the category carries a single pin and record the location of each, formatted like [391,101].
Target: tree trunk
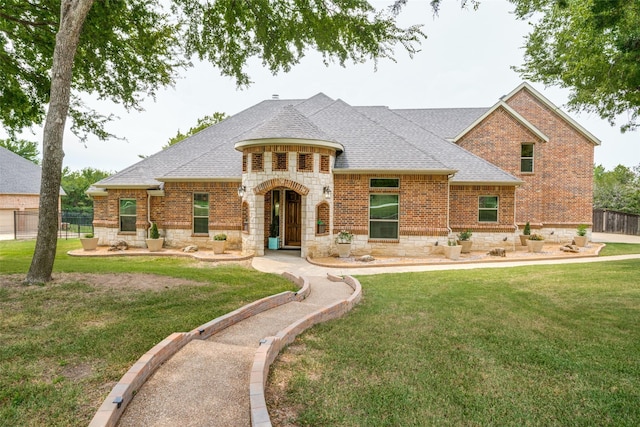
[72,16]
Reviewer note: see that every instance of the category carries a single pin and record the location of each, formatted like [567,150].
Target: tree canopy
[23,148]
[75,185]
[618,189]
[591,47]
[54,51]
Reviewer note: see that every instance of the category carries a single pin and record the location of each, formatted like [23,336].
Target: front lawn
[526,346]
[64,345]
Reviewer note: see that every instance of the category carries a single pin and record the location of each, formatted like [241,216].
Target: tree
[23,148]
[203,123]
[591,47]
[618,189]
[52,51]
[75,185]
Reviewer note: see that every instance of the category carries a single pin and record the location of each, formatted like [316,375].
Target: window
[384,183]
[526,158]
[280,162]
[383,216]
[257,162]
[244,163]
[128,215]
[488,209]
[201,213]
[305,162]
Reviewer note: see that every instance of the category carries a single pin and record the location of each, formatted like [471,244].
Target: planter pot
[322,228]
[523,240]
[155,245]
[89,243]
[344,249]
[274,242]
[466,246]
[581,241]
[452,252]
[535,245]
[218,246]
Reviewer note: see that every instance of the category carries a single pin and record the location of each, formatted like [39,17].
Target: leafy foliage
[203,123]
[590,46]
[618,189]
[75,185]
[23,148]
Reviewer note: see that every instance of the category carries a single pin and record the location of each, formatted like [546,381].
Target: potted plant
[343,242]
[274,239]
[464,240]
[218,243]
[322,228]
[581,238]
[89,243]
[525,234]
[535,243]
[453,249]
[154,242]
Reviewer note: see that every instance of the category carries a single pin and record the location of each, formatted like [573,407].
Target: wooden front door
[293,219]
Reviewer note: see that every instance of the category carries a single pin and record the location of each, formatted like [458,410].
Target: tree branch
[25,22]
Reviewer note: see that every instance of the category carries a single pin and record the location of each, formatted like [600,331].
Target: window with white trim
[200,213]
[526,158]
[128,212]
[488,209]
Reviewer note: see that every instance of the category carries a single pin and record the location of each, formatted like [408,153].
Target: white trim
[201,179]
[556,109]
[505,183]
[295,141]
[342,171]
[501,104]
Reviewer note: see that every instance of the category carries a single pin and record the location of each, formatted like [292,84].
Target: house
[19,192]
[400,180]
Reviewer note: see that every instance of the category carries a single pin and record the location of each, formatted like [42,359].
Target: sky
[465,61]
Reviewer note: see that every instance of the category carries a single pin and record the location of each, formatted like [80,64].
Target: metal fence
[70,224]
[605,221]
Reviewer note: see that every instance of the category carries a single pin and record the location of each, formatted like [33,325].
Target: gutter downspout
[515,224]
[448,205]
[149,214]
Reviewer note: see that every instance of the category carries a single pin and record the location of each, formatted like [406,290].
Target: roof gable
[575,125]
[17,174]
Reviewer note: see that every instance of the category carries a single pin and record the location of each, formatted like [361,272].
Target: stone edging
[110,411]
[270,347]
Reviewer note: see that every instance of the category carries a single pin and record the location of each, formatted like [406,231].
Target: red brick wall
[422,198]
[560,190]
[464,207]
[106,210]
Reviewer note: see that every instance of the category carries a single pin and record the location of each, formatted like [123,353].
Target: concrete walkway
[206,382]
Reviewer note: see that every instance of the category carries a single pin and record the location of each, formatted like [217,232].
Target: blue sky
[465,62]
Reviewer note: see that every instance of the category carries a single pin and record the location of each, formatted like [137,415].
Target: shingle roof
[374,138]
[17,174]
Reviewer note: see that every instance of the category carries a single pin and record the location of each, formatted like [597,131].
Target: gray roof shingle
[17,174]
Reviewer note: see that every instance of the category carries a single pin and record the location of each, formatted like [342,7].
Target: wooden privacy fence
[605,221]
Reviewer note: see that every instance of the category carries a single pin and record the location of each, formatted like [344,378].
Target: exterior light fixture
[241,190]
[327,192]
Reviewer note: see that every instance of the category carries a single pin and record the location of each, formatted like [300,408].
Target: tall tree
[591,47]
[51,51]
[203,123]
[618,189]
[23,148]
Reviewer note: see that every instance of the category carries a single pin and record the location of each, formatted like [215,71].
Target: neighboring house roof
[366,139]
[19,175]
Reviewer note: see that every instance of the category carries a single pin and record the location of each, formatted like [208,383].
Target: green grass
[526,346]
[620,249]
[64,345]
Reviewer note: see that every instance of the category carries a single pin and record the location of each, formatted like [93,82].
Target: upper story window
[257,162]
[526,158]
[488,209]
[201,213]
[305,162]
[280,161]
[244,163]
[128,212]
[384,183]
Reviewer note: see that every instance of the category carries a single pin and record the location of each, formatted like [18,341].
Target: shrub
[154,234]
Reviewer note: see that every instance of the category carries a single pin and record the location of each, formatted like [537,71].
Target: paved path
[207,382]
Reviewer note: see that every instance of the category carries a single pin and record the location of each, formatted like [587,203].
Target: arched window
[322,218]
[245,217]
